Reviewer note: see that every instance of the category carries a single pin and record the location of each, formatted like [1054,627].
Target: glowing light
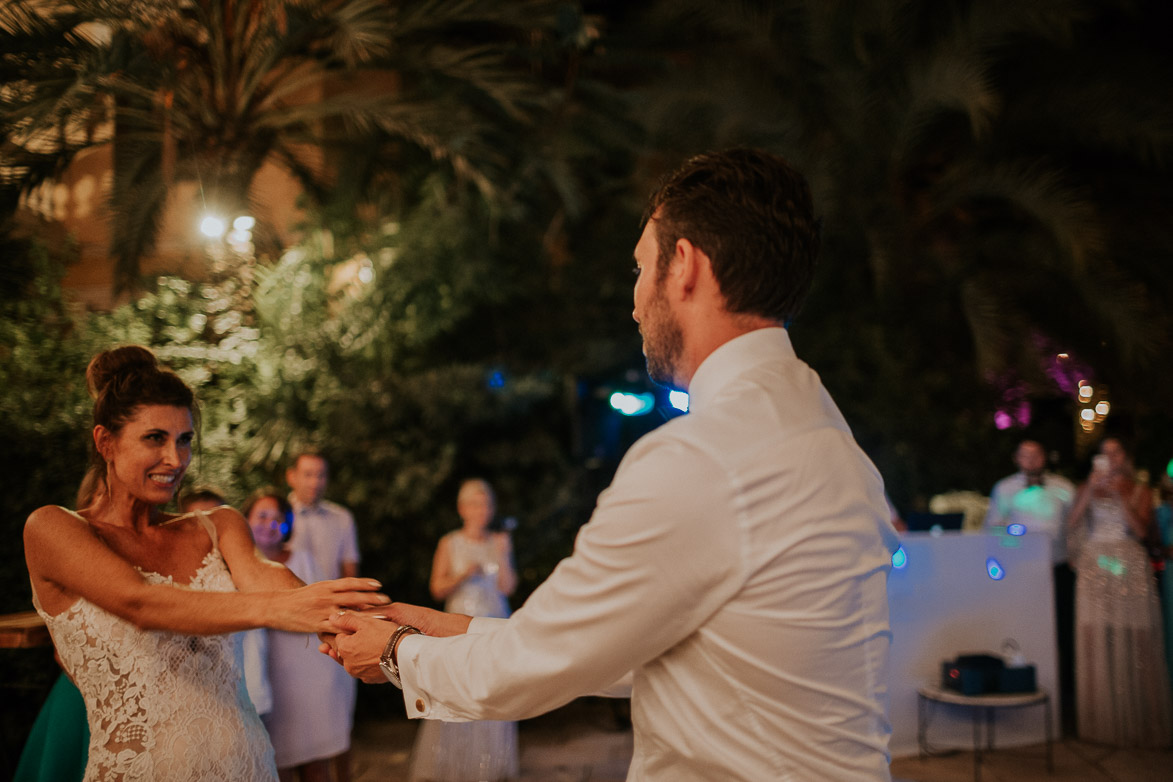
[244,223]
[496,379]
[1016,529]
[899,559]
[238,236]
[1002,419]
[1169,468]
[1063,356]
[994,569]
[1111,564]
[212,227]
[1087,426]
[1085,392]
[366,273]
[1087,414]
[1102,408]
[679,400]
[633,404]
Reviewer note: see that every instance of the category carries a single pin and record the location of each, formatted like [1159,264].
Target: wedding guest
[326,531]
[142,604]
[309,719]
[1037,500]
[733,578]
[201,498]
[472,571]
[1164,521]
[1120,675]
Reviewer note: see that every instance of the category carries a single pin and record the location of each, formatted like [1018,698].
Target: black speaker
[972,674]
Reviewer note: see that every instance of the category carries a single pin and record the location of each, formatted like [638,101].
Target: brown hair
[201,494]
[752,215]
[282,504]
[122,379]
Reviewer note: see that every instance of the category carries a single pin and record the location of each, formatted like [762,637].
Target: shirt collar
[720,367]
[299,508]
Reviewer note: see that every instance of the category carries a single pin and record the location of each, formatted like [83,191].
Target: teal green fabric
[1165,528]
[58,746]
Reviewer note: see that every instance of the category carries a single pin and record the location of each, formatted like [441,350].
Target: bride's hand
[308,609]
[428,620]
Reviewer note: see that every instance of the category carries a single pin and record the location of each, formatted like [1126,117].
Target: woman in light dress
[1121,684]
[473,572]
[143,604]
[308,722]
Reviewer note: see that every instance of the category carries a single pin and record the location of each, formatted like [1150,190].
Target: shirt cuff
[416,701]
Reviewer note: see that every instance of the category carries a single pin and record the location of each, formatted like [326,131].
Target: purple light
[1022,414]
[1002,420]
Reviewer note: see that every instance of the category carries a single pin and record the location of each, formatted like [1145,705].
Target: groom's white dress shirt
[737,567]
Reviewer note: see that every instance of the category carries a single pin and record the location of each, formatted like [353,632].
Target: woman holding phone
[1121,684]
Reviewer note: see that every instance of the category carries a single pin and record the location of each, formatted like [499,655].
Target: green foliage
[973,192]
[209,91]
[44,408]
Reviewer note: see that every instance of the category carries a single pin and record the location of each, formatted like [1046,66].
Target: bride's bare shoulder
[50,519]
[50,514]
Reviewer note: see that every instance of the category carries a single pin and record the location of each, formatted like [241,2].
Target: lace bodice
[162,706]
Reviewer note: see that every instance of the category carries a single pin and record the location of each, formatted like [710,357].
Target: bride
[141,603]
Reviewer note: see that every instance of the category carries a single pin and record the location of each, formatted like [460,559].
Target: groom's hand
[357,643]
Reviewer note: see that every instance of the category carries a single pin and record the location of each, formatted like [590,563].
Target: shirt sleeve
[660,555]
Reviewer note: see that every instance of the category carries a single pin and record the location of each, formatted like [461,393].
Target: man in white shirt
[734,575]
[326,530]
[1036,500]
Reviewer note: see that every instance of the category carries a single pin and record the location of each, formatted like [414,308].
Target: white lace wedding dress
[163,707]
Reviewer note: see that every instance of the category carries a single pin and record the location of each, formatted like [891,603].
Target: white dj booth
[955,592]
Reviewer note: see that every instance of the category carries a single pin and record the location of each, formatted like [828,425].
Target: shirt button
[419,705]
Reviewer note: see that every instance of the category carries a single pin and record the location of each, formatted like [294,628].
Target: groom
[733,577]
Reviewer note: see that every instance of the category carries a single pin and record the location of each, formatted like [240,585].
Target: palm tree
[208,91]
[970,160]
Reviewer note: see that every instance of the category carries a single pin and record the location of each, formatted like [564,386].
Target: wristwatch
[388,663]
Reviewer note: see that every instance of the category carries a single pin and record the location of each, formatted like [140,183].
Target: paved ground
[586,742]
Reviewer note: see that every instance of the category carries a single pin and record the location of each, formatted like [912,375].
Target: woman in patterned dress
[1121,684]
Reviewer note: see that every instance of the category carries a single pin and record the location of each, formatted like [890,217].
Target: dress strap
[209,527]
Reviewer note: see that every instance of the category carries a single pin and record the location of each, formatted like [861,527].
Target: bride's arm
[251,570]
[67,560]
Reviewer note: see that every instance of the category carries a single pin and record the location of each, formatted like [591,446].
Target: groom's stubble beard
[663,339]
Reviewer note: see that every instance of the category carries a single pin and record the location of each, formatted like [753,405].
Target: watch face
[385,667]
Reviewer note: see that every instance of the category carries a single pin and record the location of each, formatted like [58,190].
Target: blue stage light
[900,558]
[1016,529]
[679,400]
[633,404]
[994,569]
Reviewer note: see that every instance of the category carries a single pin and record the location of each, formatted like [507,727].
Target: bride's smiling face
[149,454]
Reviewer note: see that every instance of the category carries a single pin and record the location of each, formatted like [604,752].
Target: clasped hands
[359,637]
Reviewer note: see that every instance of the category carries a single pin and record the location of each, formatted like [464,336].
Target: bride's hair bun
[115,364]
[125,378]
